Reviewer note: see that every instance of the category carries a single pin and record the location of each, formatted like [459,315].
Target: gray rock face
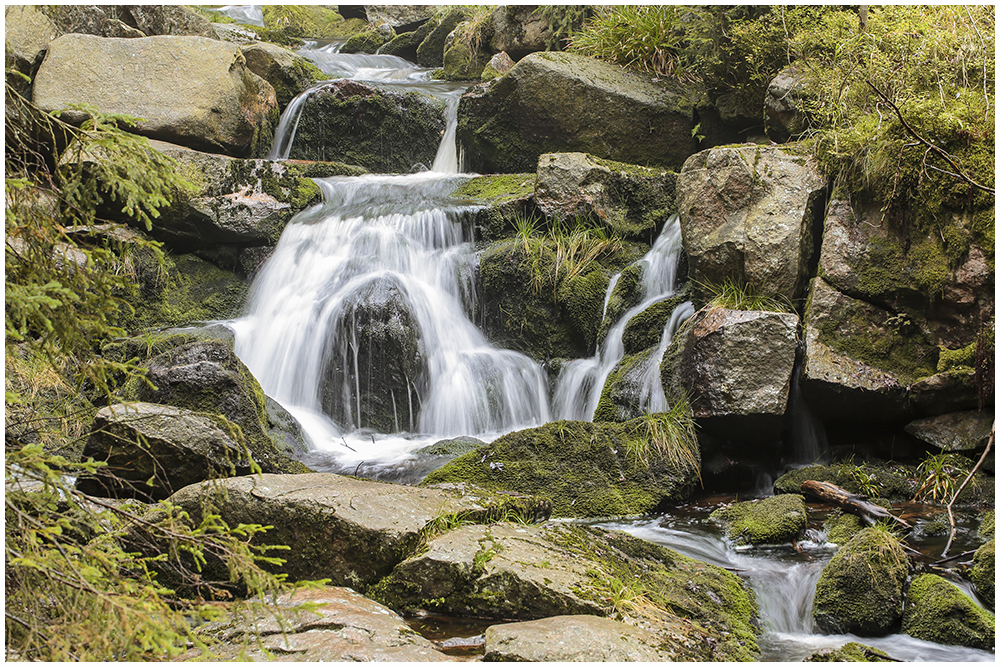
[519,30]
[498,65]
[837,384]
[955,431]
[751,213]
[382,131]
[345,626]
[189,90]
[630,200]
[140,20]
[289,74]
[350,530]
[169,446]
[736,366]
[27,32]
[697,611]
[579,638]
[168,20]
[945,392]
[559,102]
[399,16]
[784,116]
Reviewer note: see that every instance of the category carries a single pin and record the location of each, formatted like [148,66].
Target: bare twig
[951,516]
[943,154]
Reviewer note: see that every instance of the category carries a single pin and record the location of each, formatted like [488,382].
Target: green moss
[645,330]
[939,612]
[619,399]
[497,188]
[983,572]
[288,24]
[893,481]
[851,652]
[583,468]
[462,63]
[775,520]
[840,528]
[430,53]
[963,358]
[987,524]
[367,40]
[861,588]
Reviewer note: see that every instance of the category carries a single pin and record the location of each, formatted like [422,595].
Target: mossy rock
[983,572]
[452,447]
[860,590]
[628,293]
[430,53]
[368,40]
[645,329]
[462,63]
[840,527]
[502,199]
[585,469]
[937,611]
[851,652]
[289,24]
[507,572]
[987,525]
[775,520]
[405,44]
[894,481]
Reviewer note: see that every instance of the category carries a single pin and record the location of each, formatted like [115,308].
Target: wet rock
[349,530]
[375,361]
[630,200]
[752,214]
[851,652]
[519,30]
[736,367]
[840,528]
[288,73]
[983,573]
[191,91]
[405,44]
[206,376]
[774,520]
[645,330]
[578,638]
[955,431]
[504,198]
[498,65]
[937,611]
[382,131]
[559,102]
[154,450]
[369,40]
[861,589]
[343,626]
[893,481]
[586,469]
[784,112]
[698,611]
[452,447]
[627,293]
[859,359]
[401,17]
[430,53]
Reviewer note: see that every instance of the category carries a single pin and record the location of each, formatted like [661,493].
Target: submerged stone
[698,611]
[774,520]
[937,611]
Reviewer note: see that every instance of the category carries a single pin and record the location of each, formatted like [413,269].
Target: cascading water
[579,385]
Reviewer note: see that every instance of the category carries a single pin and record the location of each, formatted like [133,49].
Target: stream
[402,237]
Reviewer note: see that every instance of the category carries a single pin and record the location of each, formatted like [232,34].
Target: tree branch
[960,173]
[951,516]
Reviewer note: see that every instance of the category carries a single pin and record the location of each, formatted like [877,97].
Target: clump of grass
[648,38]
[939,474]
[670,435]
[736,295]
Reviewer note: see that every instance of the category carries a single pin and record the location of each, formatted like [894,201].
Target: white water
[579,385]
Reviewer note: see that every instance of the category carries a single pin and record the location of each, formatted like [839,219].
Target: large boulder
[946,276]
[585,469]
[141,20]
[27,33]
[860,358]
[154,450]
[851,652]
[400,17]
[751,214]
[192,91]
[167,20]
[630,200]
[289,74]
[736,366]
[560,102]
[430,53]
[349,530]
[774,520]
[937,611]
[375,360]
[519,30]
[861,589]
[699,611]
[237,206]
[462,60]
[955,431]
[382,131]
[326,624]
[206,376]
[576,638]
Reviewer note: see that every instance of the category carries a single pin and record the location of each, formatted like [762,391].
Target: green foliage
[734,295]
[77,590]
[671,435]
[646,37]
[940,475]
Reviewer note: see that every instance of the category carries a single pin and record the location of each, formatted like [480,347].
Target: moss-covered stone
[892,481]
[585,469]
[430,53]
[368,40]
[462,62]
[621,395]
[405,44]
[983,572]
[645,330]
[861,589]
[505,198]
[851,652]
[382,131]
[840,528]
[937,611]
[987,525]
[774,520]
[628,293]
[288,24]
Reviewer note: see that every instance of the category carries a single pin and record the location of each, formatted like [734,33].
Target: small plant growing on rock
[734,295]
[670,435]
[939,474]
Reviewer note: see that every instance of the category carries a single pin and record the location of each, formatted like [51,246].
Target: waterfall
[808,435]
[580,382]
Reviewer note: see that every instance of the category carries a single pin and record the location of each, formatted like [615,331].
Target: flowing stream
[400,240]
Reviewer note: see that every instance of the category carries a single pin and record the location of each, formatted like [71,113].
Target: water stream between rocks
[400,239]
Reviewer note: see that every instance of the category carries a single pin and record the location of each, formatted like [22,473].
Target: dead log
[832,494]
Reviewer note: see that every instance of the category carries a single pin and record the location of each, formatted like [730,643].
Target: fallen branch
[951,558]
[849,502]
[951,516]
[959,172]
